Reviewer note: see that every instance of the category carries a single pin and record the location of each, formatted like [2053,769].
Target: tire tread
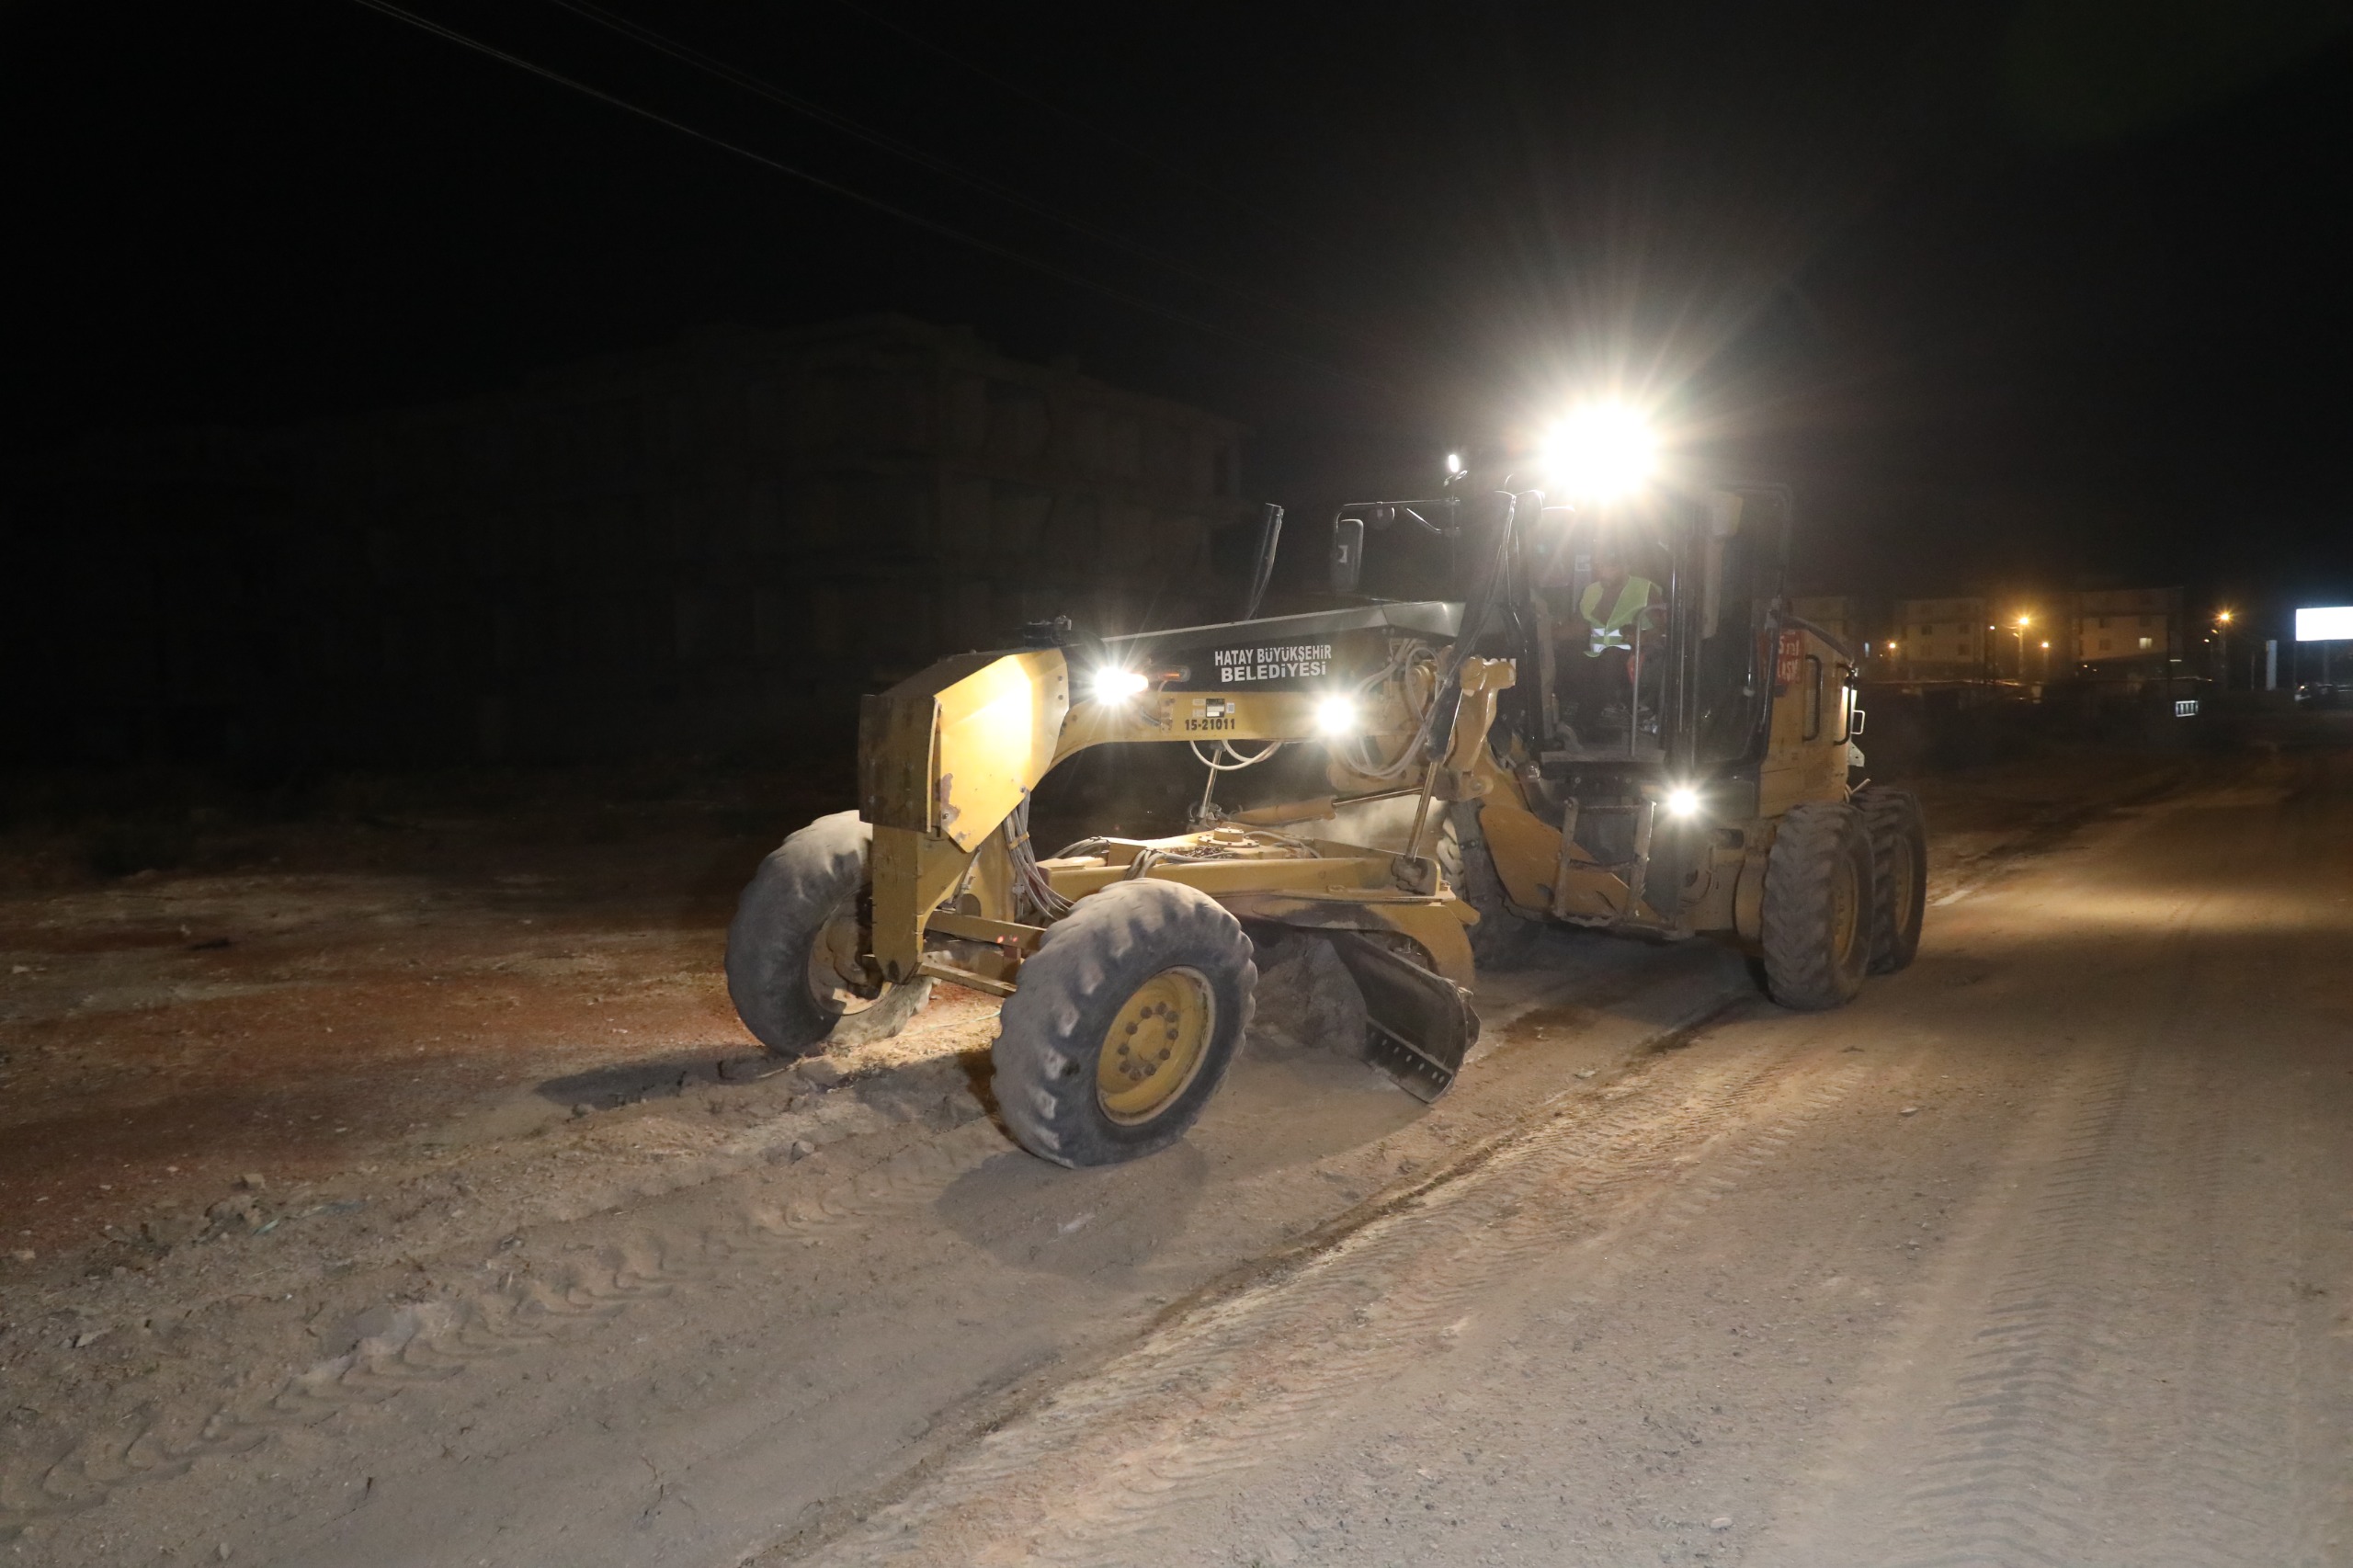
[1468,863]
[1045,1087]
[1801,971]
[798,886]
[1894,820]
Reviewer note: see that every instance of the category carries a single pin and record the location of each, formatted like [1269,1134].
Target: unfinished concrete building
[696,548]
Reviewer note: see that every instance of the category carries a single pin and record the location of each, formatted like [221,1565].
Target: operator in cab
[1615,607]
[1595,650]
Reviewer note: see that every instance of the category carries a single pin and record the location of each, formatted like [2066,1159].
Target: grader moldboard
[1701,784]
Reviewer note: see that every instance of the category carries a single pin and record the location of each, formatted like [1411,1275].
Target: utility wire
[1058,111]
[946,231]
[735,76]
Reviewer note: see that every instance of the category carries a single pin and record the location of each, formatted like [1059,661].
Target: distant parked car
[2320,694]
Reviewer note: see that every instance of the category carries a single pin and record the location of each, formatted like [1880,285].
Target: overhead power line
[699,60]
[1096,129]
[850,193]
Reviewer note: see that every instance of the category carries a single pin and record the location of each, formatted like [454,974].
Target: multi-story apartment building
[1940,639]
[701,546]
[2122,633]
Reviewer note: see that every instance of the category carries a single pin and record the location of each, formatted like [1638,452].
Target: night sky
[2054,292]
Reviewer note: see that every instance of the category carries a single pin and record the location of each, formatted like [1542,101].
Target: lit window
[2147,643]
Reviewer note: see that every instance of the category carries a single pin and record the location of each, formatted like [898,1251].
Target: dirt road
[2041,1252]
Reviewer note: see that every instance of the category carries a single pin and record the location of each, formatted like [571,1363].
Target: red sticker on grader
[1785,669]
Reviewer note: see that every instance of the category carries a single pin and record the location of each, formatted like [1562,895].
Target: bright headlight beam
[1115,685]
[1335,716]
[1683,801]
[1600,453]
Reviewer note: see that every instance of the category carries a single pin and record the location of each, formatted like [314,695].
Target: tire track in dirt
[2100,1377]
[471,1324]
[1092,1475]
[432,1340]
[2061,1430]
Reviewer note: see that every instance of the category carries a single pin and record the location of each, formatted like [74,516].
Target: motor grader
[1702,780]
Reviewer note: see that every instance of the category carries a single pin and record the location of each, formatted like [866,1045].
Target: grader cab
[1685,770]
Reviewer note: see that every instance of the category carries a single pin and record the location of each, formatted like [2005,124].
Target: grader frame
[1544,823]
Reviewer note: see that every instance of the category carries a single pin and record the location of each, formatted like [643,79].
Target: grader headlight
[1336,716]
[1113,684]
[1601,453]
[1683,801]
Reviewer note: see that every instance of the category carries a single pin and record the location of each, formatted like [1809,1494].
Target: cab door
[1813,718]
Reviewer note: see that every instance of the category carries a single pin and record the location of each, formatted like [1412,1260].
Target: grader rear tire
[1468,866]
[1124,1023]
[1900,874]
[1818,907]
[792,946]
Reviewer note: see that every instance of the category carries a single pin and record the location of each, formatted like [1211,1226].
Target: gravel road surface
[2041,1252]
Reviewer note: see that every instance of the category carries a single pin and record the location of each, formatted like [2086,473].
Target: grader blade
[1418,1026]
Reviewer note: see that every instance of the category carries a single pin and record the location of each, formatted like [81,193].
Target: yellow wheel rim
[836,979]
[1900,883]
[1155,1047]
[1846,909]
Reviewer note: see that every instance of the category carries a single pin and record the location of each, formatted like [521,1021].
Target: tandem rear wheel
[1899,840]
[1820,907]
[1502,937]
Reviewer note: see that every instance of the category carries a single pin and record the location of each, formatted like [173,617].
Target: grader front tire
[1818,907]
[1124,1023]
[792,946]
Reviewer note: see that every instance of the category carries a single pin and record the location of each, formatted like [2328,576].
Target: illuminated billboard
[2333,625]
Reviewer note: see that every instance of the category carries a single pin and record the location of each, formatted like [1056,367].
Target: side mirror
[1348,554]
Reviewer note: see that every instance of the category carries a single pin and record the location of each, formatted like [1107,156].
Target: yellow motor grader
[1685,772]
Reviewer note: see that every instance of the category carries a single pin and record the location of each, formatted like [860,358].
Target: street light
[2018,631]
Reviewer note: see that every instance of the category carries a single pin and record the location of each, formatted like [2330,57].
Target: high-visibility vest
[1617,629]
